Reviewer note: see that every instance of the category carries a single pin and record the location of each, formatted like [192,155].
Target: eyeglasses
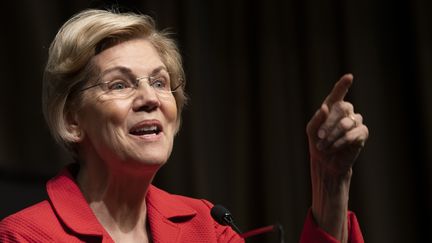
[123,86]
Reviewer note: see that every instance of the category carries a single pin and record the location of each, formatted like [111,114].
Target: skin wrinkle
[115,137]
[331,161]
[104,76]
[117,166]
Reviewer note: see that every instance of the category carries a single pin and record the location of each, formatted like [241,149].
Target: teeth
[147,129]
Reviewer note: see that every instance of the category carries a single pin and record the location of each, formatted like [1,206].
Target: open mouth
[146,129]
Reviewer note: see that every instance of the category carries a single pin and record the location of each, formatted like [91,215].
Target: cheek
[170,111]
[115,113]
[105,116]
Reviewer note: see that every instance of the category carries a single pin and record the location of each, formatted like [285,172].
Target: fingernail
[321,133]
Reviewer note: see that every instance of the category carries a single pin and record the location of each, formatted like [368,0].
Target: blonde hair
[69,65]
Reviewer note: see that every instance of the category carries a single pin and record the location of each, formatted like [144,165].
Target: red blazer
[67,217]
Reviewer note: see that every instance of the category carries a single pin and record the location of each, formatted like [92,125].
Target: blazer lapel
[166,215]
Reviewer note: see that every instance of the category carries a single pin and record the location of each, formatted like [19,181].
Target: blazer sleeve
[312,233]
[12,231]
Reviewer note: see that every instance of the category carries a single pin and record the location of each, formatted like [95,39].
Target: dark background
[256,72]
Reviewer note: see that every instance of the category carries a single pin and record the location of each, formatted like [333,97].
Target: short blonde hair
[69,65]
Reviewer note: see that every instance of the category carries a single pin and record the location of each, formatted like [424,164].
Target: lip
[147,123]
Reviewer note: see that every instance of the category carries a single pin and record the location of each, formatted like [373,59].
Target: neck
[117,198]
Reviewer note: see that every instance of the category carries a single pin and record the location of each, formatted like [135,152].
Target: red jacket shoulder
[28,223]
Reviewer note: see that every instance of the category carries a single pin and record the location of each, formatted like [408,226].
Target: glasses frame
[136,84]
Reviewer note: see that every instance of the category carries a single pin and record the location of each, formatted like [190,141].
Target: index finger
[339,90]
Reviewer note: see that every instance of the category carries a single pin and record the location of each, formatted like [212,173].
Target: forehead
[139,55]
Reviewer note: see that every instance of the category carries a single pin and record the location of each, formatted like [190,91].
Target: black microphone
[224,217]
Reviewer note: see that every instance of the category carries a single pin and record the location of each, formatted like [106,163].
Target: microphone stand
[271,228]
[224,217]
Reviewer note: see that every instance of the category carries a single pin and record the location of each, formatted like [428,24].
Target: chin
[140,166]
[151,155]
[150,159]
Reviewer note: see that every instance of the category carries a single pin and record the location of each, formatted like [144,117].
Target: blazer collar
[167,215]
[70,205]
[165,212]
[168,205]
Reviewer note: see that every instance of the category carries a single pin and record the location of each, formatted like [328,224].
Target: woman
[113,96]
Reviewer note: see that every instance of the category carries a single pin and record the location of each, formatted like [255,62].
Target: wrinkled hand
[336,134]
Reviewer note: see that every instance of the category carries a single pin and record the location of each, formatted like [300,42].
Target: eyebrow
[129,72]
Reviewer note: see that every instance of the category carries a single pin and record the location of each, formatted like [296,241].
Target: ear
[73,126]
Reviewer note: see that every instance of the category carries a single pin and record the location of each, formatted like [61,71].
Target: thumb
[316,121]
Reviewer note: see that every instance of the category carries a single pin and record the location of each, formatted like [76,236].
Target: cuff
[312,233]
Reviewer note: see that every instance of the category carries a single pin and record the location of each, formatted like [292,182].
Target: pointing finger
[339,90]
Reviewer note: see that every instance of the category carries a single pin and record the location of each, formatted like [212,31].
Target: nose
[145,98]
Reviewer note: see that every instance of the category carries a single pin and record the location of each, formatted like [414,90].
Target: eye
[118,84]
[160,83]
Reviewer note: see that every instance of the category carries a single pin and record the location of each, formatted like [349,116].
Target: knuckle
[349,106]
[366,131]
[338,106]
[343,107]
[359,117]
[345,124]
[350,137]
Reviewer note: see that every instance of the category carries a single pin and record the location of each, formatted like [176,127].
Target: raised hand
[336,136]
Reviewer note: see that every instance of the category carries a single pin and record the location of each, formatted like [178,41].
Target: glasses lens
[119,87]
[122,87]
